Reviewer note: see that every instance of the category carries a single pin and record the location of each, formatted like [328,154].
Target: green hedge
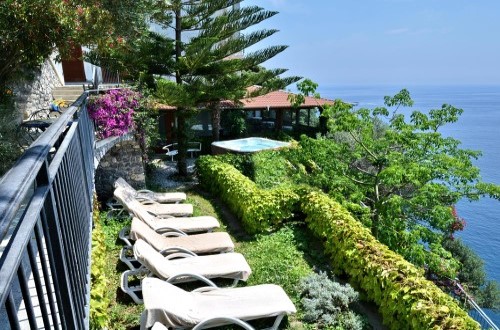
[405,298]
[99,302]
[258,209]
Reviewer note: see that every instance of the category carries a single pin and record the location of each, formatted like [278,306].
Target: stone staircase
[68,93]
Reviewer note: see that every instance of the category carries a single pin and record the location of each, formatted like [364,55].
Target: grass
[282,257]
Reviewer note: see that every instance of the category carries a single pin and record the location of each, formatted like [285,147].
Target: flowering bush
[113,111]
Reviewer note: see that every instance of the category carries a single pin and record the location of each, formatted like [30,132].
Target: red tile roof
[272,100]
[279,99]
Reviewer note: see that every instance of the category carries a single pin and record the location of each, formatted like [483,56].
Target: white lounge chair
[130,202]
[208,307]
[177,240]
[159,197]
[185,224]
[173,267]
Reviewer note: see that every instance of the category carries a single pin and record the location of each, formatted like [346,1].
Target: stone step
[68,93]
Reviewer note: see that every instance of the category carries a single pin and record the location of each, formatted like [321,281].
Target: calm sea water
[478,129]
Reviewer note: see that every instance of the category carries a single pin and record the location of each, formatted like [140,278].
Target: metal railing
[476,312]
[45,228]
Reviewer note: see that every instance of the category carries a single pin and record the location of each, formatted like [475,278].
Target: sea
[479,129]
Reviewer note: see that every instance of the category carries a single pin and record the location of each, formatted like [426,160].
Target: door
[73,69]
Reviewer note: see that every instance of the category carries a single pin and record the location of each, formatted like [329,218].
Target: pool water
[247,145]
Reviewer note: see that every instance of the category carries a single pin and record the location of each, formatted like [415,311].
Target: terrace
[46,208]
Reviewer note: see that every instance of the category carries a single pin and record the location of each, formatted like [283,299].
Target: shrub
[275,258]
[405,298]
[326,302]
[9,144]
[99,300]
[259,210]
[113,111]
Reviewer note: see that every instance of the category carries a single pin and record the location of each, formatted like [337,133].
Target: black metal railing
[45,228]
[476,312]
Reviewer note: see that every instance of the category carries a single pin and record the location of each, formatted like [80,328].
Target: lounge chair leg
[277,322]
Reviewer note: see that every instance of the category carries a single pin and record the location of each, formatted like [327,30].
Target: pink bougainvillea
[113,111]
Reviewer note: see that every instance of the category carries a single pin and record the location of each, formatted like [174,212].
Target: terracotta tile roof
[272,100]
[277,100]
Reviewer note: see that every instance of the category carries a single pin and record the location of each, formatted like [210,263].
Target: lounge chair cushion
[227,265]
[199,243]
[128,200]
[175,210]
[186,224]
[166,197]
[174,307]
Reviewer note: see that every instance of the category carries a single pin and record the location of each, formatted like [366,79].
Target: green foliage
[235,123]
[267,169]
[258,209]
[327,302]
[43,25]
[275,258]
[99,301]
[405,298]
[306,88]
[146,123]
[472,275]
[211,66]
[398,175]
[9,134]
[489,296]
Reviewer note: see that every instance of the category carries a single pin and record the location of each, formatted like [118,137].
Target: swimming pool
[247,145]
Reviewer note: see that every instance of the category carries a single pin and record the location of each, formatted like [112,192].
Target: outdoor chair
[171,150]
[129,202]
[194,147]
[148,195]
[211,306]
[174,267]
[176,240]
[185,224]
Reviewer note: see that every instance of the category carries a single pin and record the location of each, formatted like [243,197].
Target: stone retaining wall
[123,160]
[36,94]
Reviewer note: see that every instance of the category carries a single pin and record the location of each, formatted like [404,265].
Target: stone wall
[36,93]
[123,160]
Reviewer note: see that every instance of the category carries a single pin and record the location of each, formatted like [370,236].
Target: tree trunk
[215,112]
[182,139]
[182,135]
[278,125]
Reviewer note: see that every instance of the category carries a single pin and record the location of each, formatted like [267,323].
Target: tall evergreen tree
[209,62]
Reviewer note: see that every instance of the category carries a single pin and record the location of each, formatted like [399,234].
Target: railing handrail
[476,307]
[16,182]
[46,226]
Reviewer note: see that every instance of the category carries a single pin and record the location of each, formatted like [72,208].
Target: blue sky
[395,42]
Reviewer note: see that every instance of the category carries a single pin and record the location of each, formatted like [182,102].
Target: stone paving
[163,175]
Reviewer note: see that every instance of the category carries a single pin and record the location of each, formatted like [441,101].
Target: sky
[386,42]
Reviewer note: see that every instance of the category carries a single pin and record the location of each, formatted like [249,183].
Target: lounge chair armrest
[124,236]
[179,255]
[166,230]
[146,200]
[145,191]
[131,291]
[176,249]
[222,320]
[199,277]
[172,232]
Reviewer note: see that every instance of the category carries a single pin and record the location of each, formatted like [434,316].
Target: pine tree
[209,62]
